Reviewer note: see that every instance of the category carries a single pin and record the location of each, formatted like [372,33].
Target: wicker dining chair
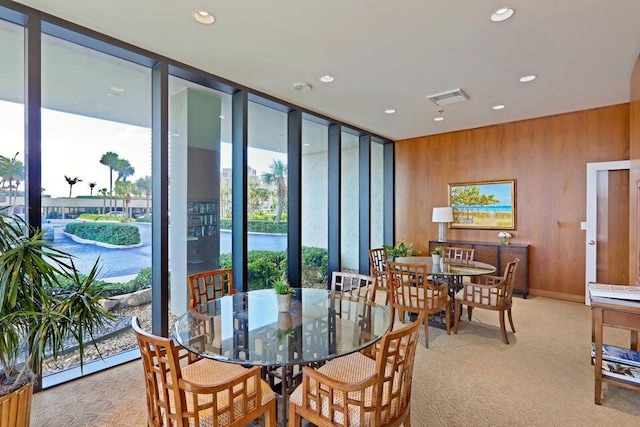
[353,285]
[185,391]
[358,389]
[346,285]
[412,292]
[494,294]
[378,270]
[463,254]
[209,285]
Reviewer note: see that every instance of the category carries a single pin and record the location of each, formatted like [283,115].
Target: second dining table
[247,328]
[450,270]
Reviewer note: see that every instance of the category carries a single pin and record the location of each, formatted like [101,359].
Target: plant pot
[436,259]
[15,407]
[284,302]
[285,321]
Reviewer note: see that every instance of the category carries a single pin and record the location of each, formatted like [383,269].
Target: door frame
[591,247]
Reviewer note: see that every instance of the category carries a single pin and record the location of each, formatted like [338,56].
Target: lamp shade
[442,214]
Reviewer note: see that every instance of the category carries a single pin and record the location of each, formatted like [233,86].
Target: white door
[595,172]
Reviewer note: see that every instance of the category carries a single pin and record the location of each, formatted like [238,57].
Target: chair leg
[407,421]
[456,314]
[295,420]
[469,311]
[270,416]
[426,331]
[502,328]
[448,321]
[511,320]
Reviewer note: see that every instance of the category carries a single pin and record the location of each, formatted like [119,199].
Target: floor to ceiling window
[377,195]
[267,204]
[349,202]
[96,172]
[199,184]
[315,170]
[12,148]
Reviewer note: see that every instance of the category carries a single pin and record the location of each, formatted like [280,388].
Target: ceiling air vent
[448,97]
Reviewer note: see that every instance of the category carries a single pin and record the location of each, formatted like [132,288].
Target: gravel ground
[117,337]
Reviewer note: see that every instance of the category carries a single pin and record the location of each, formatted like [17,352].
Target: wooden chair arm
[492,280]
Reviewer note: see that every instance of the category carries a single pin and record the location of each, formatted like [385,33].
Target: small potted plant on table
[436,254]
[284,292]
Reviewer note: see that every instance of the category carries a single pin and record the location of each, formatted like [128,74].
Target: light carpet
[544,377]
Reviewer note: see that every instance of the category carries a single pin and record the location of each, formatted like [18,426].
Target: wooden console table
[497,255]
[617,315]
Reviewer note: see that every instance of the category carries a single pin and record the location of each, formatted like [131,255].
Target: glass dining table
[449,270]
[246,328]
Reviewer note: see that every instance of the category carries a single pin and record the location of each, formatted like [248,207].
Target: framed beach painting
[489,205]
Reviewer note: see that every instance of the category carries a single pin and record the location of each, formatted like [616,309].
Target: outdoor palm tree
[256,195]
[11,170]
[278,177]
[225,199]
[72,181]
[110,160]
[124,169]
[92,185]
[124,190]
[103,192]
[144,186]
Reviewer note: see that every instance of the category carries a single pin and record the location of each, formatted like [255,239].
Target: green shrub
[259,226]
[115,234]
[315,257]
[89,217]
[265,266]
[138,283]
[143,219]
[142,280]
[225,261]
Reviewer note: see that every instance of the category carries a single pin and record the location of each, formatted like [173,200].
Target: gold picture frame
[484,205]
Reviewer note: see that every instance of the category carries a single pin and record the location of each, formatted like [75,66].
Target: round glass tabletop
[247,328]
[449,267]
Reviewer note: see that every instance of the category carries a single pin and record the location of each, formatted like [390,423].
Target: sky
[72,145]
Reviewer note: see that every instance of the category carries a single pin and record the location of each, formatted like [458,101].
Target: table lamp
[442,215]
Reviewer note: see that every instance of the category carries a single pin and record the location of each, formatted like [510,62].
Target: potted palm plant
[401,249]
[35,318]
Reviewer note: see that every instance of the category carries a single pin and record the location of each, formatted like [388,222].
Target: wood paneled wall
[634,185]
[547,156]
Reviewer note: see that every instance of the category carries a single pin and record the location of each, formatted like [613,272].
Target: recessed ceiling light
[327,79]
[498,107]
[221,117]
[204,17]
[306,145]
[116,89]
[525,79]
[502,14]
[390,111]
[438,119]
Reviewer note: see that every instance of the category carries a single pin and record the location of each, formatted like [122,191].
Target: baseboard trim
[556,295]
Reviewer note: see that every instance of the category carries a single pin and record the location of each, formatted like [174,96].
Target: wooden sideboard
[498,255]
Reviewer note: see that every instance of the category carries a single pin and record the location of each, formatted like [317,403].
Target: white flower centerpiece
[504,237]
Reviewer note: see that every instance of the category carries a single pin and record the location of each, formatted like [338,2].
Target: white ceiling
[391,54]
